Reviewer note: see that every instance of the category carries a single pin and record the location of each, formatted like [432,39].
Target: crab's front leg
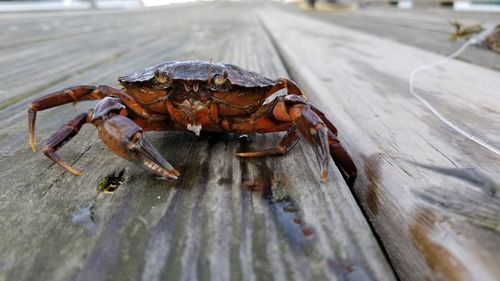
[125,138]
[122,135]
[74,95]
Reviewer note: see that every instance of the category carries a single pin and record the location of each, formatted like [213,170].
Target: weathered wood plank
[49,62]
[427,29]
[430,193]
[224,219]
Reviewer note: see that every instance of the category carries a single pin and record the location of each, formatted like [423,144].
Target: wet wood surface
[431,194]
[224,219]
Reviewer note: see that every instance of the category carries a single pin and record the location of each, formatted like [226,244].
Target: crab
[198,96]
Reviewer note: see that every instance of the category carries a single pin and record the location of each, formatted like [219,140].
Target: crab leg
[76,94]
[52,100]
[121,134]
[289,85]
[337,152]
[314,132]
[340,156]
[58,139]
[307,120]
[342,160]
[294,113]
[287,143]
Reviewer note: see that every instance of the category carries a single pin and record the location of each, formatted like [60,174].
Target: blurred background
[461,5]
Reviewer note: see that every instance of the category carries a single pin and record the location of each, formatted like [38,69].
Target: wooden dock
[426,205]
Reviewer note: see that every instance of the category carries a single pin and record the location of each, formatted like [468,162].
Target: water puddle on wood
[84,217]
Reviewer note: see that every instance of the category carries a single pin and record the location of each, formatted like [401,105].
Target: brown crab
[196,96]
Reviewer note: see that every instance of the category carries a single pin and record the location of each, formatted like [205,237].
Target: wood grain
[431,194]
[224,219]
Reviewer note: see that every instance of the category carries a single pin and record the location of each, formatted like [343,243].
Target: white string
[435,111]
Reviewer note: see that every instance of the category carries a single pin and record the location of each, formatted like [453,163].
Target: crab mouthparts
[194,128]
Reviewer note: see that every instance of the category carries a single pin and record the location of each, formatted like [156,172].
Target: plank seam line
[287,67]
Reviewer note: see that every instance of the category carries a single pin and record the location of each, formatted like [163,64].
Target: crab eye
[161,78]
[220,79]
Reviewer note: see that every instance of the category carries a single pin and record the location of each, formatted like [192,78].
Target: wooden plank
[427,29]
[430,193]
[225,218]
[46,65]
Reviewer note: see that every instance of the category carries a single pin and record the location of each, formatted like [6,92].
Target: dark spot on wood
[466,203]
[345,271]
[291,209]
[213,139]
[471,175]
[282,207]
[307,231]
[340,269]
[244,162]
[373,176]
[225,181]
[438,258]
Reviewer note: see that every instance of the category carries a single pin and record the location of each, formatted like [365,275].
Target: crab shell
[192,88]
[197,70]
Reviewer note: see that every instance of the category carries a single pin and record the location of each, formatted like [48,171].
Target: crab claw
[317,137]
[146,155]
[315,133]
[125,138]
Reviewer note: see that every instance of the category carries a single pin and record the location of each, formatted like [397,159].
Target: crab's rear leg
[280,112]
[310,123]
[73,95]
[341,158]
[286,144]
[313,128]
[295,112]
[315,132]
